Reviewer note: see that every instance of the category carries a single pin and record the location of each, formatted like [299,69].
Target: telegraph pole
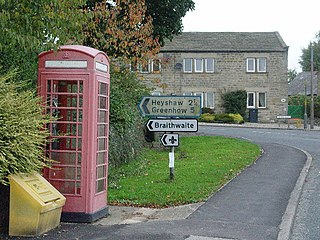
[311,92]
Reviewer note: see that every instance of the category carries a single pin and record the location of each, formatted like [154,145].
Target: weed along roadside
[202,165]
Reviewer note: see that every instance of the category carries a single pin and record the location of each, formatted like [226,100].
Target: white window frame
[206,65]
[253,60]
[134,67]
[265,99]
[207,96]
[148,65]
[253,98]
[198,65]
[153,64]
[184,65]
[262,64]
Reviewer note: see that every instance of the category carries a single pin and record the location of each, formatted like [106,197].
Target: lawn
[202,166]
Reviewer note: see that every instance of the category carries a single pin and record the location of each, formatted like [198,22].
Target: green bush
[22,133]
[221,118]
[206,117]
[126,125]
[235,102]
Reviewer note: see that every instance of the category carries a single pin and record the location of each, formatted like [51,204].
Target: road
[307,225]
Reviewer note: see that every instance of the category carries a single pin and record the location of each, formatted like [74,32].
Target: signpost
[170,114]
[172,125]
[171,106]
[170,140]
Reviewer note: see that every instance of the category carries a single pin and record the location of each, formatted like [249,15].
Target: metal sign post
[171,163]
[171,114]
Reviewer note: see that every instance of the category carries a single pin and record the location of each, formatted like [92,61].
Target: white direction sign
[170,140]
[171,106]
[172,125]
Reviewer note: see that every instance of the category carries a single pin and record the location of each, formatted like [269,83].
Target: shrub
[224,118]
[206,117]
[22,133]
[126,125]
[221,118]
[235,102]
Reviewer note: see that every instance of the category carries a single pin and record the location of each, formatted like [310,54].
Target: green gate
[296,111]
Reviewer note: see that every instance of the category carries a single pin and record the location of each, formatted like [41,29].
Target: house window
[133,67]
[156,66]
[251,65]
[198,65]
[262,64]
[209,65]
[187,65]
[262,100]
[209,100]
[257,65]
[251,100]
[144,67]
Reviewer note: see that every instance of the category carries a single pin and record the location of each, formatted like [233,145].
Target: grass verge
[202,165]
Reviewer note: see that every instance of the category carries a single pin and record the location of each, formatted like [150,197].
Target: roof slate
[225,41]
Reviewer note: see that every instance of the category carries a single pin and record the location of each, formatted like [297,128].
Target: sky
[297,21]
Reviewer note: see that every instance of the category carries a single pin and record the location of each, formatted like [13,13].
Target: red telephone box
[74,81]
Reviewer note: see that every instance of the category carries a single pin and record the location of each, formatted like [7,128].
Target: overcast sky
[297,21]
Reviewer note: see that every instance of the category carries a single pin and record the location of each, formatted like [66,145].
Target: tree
[167,17]
[292,73]
[122,29]
[305,58]
[30,27]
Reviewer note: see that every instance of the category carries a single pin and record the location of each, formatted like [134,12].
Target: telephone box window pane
[71,144]
[101,186]
[72,101]
[71,116]
[80,101]
[78,173]
[71,129]
[80,116]
[102,116]
[49,86]
[102,130]
[79,144]
[102,88]
[63,173]
[64,158]
[101,158]
[81,87]
[102,102]
[67,188]
[79,158]
[80,130]
[78,187]
[101,144]
[55,143]
[101,170]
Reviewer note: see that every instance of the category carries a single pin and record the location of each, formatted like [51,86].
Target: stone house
[213,63]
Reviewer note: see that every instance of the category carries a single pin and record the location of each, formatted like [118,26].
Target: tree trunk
[4,209]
